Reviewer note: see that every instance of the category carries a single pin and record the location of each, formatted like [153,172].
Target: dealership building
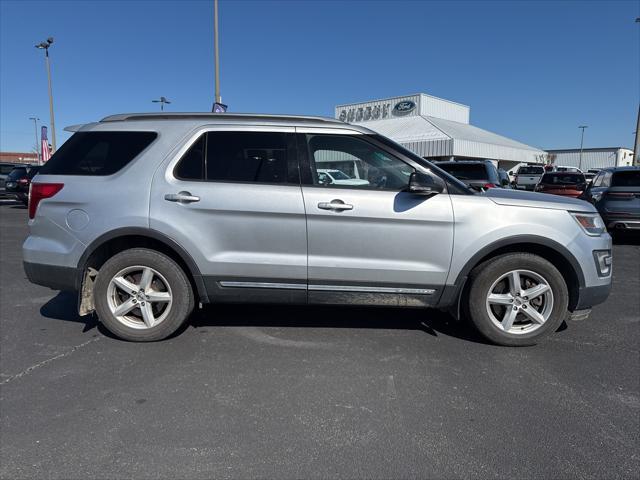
[592,157]
[437,129]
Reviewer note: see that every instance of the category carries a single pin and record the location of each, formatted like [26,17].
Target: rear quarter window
[97,153]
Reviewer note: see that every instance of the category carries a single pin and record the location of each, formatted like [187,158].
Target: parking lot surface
[309,392]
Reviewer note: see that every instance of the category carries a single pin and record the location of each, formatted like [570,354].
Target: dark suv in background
[5,170]
[615,192]
[18,181]
[479,174]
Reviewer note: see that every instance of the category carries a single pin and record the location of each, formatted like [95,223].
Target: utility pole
[636,146]
[582,127]
[217,54]
[35,125]
[45,46]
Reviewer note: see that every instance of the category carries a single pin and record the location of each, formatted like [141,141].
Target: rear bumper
[52,276]
[622,223]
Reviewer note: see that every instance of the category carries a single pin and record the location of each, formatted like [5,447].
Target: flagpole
[217,54]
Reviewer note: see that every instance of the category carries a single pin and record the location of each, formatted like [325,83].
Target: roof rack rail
[218,116]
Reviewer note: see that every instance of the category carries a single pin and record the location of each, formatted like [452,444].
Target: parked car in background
[328,176]
[589,176]
[528,176]
[615,192]
[19,180]
[477,174]
[505,181]
[229,208]
[562,168]
[5,170]
[568,184]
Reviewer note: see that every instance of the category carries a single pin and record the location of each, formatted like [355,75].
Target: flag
[219,108]
[46,154]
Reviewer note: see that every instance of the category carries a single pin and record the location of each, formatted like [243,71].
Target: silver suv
[148,215]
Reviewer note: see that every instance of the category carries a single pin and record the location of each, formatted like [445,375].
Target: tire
[532,316]
[167,299]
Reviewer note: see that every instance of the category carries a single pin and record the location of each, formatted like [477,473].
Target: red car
[567,184]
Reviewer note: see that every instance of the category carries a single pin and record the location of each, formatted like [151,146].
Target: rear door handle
[181,197]
[337,205]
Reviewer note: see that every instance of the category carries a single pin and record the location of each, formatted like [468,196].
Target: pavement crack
[30,369]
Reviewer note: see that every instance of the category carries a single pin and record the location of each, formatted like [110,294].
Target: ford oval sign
[404,107]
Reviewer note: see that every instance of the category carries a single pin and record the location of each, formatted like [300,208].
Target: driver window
[351,162]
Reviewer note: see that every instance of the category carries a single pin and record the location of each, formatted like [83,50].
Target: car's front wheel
[516,299]
[142,295]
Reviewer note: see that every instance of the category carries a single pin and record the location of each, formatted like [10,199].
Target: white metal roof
[430,136]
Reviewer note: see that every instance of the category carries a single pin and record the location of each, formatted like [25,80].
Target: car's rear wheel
[142,295]
[517,299]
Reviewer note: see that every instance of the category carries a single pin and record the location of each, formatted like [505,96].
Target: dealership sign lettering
[376,112]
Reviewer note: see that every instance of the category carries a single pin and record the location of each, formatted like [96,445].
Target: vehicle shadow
[433,322]
[622,237]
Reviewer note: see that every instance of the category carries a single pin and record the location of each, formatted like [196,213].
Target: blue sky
[532,71]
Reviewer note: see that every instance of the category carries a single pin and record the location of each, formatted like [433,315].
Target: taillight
[489,185]
[40,191]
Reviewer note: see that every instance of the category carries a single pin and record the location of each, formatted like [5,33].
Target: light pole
[162,101]
[45,46]
[35,125]
[582,127]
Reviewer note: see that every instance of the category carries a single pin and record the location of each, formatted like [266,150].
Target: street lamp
[162,101]
[582,127]
[35,125]
[45,46]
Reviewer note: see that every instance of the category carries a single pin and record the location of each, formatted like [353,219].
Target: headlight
[591,223]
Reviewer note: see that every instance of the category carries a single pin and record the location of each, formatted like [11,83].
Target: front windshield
[425,163]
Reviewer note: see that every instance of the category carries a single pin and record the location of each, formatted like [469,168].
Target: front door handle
[337,205]
[181,197]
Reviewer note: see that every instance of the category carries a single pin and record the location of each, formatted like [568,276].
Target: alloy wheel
[519,302]
[139,297]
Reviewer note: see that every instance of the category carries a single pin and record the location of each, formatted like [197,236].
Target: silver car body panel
[244,236]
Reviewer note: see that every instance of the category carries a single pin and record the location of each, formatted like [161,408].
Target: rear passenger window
[254,157]
[259,157]
[97,153]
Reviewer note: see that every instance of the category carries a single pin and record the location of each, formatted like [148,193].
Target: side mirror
[421,184]
[511,172]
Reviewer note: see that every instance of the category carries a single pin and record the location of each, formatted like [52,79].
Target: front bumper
[591,296]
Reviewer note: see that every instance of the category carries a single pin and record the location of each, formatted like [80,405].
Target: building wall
[593,158]
[386,109]
[18,157]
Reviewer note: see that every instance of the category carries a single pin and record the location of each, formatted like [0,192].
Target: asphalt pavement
[310,392]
